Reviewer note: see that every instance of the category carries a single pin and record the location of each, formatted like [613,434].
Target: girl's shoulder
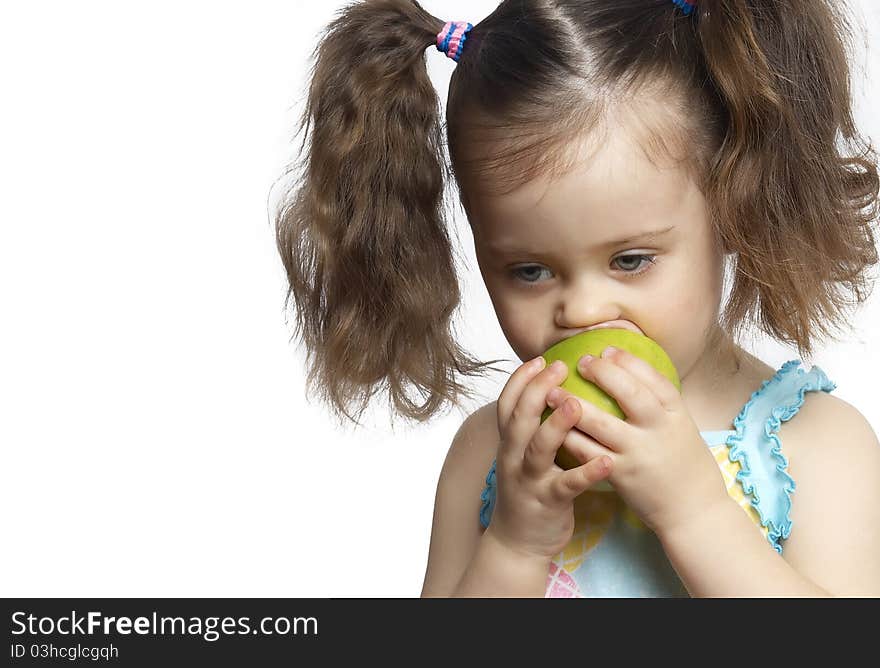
[823,421]
[834,458]
[473,448]
[480,431]
[456,531]
[486,430]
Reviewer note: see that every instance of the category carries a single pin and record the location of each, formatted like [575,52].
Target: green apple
[593,343]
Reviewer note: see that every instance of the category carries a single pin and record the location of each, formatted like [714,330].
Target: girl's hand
[662,467]
[534,503]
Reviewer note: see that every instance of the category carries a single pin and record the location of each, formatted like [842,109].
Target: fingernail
[554,396]
[538,362]
[609,351]
[586,359]
[558,366]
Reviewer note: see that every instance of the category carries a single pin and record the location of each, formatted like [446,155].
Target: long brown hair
[756,102]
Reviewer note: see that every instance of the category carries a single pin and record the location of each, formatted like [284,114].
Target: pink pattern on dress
[560,584]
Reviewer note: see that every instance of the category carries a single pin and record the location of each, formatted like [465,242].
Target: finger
[597,425]
[569,484]
[514,387]
[584,447]
[636,401]
[525,416]
[541,450]
[663,388]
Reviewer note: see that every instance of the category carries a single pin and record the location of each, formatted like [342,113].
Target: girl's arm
[722,555]
[462,559]
[497,571]
[834,547]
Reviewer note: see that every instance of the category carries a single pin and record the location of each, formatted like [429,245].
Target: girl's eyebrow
[647,235]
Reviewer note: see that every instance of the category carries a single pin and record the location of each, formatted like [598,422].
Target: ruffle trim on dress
[488,497]
[763,473]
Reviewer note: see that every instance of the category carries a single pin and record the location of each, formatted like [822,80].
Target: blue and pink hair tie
[452,38]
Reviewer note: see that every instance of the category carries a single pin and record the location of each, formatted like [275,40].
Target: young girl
[612,157]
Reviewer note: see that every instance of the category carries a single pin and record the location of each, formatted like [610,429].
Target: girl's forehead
[616,181]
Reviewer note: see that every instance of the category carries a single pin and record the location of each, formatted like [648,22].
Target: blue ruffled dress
[612,554]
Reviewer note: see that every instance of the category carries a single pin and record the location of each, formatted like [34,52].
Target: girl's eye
[522,273]
[638,268]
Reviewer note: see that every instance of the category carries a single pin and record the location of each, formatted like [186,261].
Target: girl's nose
[584,305]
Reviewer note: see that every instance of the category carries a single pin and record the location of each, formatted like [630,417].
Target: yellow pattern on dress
[729,470]
[593,514]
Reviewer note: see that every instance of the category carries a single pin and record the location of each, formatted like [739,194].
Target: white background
[156,438]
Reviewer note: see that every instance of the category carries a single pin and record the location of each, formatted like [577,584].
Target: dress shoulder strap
[756,445]
[487,498]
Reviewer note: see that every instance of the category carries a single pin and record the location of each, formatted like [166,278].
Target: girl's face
[617,239]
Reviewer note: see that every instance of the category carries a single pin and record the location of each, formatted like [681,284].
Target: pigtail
[362,233]
[793,185]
